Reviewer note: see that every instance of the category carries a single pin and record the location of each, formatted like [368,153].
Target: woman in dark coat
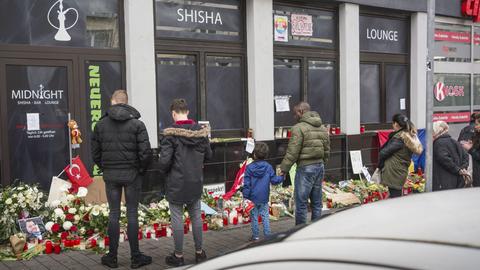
[473,148]
[396,154]
[450,160]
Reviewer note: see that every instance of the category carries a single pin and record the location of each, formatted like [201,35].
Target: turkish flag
[78,174]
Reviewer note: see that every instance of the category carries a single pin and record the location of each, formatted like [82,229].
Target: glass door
[36,98]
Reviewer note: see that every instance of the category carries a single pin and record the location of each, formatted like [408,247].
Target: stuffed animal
[74,132]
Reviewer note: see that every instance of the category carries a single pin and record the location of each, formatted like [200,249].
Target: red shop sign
[441,91]
[470,8]
[458,117]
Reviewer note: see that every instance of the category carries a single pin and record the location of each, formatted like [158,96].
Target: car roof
[448,217]
[363,252]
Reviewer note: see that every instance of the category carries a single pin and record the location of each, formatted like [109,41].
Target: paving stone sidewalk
[215,243]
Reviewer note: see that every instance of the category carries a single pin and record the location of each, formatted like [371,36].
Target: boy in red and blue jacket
[256,188]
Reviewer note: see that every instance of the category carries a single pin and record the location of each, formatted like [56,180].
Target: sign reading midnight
[212,20]
[37,105]
[383,35]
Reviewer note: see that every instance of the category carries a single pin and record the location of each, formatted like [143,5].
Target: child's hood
[259,168]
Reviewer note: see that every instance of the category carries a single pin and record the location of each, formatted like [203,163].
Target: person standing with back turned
[309,147]
[120,147]
[183,150]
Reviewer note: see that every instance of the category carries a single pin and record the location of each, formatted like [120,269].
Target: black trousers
[132,196]
[394,193]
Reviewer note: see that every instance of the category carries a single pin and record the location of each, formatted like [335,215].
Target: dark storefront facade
[71,61]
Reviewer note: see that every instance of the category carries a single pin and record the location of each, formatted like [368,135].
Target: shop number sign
[471,8]
[442,91]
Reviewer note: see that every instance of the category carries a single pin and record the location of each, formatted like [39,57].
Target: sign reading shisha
[62,34]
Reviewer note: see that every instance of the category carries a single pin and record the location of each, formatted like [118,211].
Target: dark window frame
[308,53]
[201,49]
[384,59]
[75,57]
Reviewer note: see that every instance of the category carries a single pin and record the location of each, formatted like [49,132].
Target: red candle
[149,235]
[93,243]
[185,228]
[155,226]
[235,220]
[203,215]
[289,133]
[163,231]
[225,221]
[48,247]
[140,235]
[77,241]
[259,219]
[205,226]
[107,241]
[57,249]
[158,234]
[338,131]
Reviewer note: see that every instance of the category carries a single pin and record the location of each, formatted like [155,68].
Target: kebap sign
[383,35]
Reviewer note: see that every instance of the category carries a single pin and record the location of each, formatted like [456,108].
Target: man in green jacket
[309,147]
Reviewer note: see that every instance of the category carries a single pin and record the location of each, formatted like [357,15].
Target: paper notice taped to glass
[250,145]
[33,121]
[282,103]
[403,105]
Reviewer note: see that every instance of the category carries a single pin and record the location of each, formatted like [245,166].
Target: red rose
[70,217]
[89,232]
[210,192]
[65,208]
[64,235]
[86,218]
[73,229]
[78,202]
[55,227]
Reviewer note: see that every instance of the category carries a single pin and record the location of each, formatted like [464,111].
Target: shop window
[219,20]
[452,43]
[37,110]
[322,90]
[396,87]
[176,78]
[60,23]
[370,94]
[476,91]
[225,94]
[476,44]
[287,82]
[452,92]
[102,79]
[304,27]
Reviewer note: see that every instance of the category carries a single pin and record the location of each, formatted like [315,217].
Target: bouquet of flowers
[16,202]
[158,212]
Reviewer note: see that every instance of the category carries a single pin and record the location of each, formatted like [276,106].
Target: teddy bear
[74,132]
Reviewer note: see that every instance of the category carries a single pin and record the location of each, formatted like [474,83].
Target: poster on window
[37,105]
[102,79]
[302,25]
[280,24]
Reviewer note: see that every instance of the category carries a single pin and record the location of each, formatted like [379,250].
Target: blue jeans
[261,209]
[308,185]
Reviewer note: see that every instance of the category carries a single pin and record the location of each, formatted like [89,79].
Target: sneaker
[140,260]
[200,257]
[173,260]
[254,239]
[110,261]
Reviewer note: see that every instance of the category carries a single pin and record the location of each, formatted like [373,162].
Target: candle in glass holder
[57,249]
[48,247]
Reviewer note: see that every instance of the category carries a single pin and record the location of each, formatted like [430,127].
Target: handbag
[377,176]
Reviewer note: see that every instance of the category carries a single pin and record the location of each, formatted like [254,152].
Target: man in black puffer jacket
[183,150]
[120,147]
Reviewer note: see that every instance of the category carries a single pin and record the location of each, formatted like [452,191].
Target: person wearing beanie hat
[450,160]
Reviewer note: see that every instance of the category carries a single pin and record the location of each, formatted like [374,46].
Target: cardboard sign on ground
[96,192]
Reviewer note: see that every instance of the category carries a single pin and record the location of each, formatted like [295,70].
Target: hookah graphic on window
[62,34]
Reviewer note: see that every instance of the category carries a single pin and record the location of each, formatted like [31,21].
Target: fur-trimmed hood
[188,134]
[412,142]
